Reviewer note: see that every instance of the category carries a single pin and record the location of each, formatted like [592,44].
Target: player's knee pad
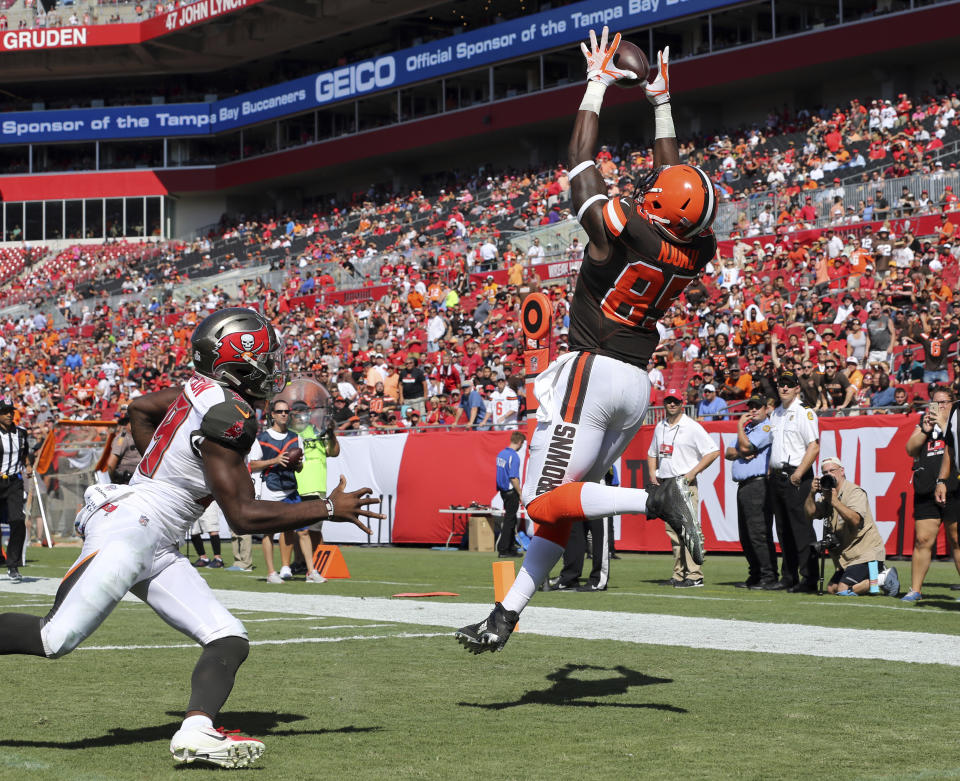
[560,504]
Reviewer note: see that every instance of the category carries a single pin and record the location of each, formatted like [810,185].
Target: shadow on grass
[943,603]
[257,724]
[570,691]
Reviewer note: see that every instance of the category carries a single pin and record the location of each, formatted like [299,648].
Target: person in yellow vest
[317,447]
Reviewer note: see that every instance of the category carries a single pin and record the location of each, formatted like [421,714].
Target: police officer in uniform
[794,447]
[751,460]
[927,445]
[14,457]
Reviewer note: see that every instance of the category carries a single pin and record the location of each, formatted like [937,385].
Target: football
[630,57]
[294,457]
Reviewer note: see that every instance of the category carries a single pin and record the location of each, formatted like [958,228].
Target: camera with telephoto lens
[828,483]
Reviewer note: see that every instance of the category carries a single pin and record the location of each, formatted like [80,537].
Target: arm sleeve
[514,466]
[616,212]
[118,445]
[759,437]
[857,501]
[811,425]
[706,444]
[230,423]
[652,450]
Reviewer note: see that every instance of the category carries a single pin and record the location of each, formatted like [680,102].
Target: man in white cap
[845,510]
[711,406]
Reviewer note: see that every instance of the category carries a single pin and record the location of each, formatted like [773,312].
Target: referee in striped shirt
[14,457]
[951,456]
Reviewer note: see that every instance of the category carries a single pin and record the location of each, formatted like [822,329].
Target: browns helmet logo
[241,346]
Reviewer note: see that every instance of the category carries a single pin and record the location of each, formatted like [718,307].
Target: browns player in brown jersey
[643,251]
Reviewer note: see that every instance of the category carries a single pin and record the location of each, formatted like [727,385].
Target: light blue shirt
[712,410]
[759,436]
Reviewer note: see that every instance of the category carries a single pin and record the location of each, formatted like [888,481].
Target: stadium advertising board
[125,34]
[871,448]
[521,37]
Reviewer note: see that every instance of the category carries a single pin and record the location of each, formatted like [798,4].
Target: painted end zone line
[640,628]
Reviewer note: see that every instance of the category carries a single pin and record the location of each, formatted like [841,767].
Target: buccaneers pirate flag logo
[242,347]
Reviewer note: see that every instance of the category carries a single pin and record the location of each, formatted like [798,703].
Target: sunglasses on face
[281,412]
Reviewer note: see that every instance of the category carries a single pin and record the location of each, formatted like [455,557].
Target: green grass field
[394,696]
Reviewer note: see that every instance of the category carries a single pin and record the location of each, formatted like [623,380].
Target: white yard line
[639,628]
[289,641]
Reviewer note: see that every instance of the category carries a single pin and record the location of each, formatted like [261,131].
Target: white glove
[600,67]
[658,91]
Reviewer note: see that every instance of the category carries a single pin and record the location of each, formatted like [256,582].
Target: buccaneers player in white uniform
[194,440]
[643,252]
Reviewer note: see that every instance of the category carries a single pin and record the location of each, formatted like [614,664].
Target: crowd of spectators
[864,313]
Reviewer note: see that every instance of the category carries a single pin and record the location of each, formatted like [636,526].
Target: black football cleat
[491,634]
[669,502]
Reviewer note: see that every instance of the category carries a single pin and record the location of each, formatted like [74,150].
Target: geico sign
[354,79]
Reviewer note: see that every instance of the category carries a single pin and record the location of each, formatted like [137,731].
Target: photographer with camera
[849,533]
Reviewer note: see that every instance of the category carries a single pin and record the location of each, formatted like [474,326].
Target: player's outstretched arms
[230,482]
[665,149]
[588,190]
[146,413]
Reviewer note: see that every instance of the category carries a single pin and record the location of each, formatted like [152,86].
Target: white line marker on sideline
[639,628]
[290,641]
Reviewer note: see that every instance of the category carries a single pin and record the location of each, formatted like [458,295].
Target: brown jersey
[618,301]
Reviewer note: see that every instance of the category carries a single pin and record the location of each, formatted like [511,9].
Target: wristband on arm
[593,97]
[663,121]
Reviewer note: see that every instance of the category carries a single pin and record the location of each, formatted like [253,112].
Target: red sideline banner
[124,34]
[439,469]
[872,449]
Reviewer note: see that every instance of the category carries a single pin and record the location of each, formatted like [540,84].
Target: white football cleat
[315,577]
[218,746]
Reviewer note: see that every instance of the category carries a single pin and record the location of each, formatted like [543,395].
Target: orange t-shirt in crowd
[859,260]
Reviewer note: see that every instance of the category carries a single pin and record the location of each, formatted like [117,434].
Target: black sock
[215,544]
[197,541]
[20,634]
[214,674]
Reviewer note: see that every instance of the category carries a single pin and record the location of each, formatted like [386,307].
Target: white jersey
[505,406]
[170,475]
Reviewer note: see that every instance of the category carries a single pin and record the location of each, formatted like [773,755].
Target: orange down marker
[503,577]
[328,561]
